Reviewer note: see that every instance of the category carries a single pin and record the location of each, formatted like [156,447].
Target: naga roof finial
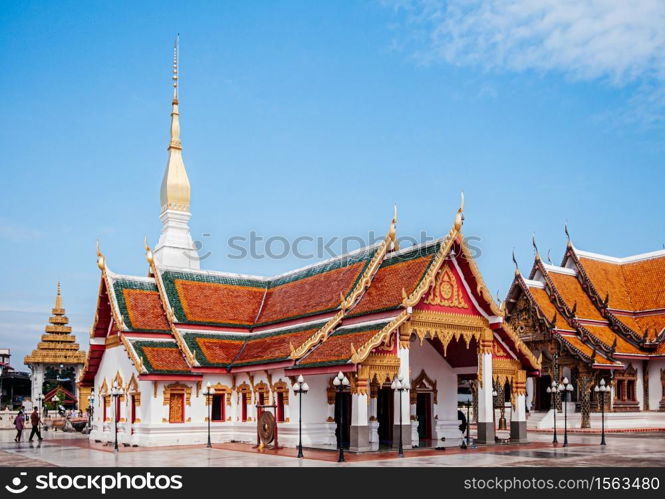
[148,251]
[565,229]
[392,233]
[517,267]
[100,258]
[535,246]
[459,217]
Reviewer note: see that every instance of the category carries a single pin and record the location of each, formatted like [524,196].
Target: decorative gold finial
[392,232]
[100,258]
[175,191]
[148,251]
[176,44]
[459,217]
[58,298]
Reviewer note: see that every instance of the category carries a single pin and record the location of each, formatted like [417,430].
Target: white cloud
[618,40]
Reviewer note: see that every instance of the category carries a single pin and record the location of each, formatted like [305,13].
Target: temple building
[422,313]
[595,317]
[57,361]
[14,385]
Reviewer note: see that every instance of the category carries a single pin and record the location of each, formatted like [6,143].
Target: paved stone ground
[64,449]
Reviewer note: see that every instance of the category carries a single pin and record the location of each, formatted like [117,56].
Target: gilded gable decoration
[446,291]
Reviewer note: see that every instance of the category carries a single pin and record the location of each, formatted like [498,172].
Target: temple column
[584,385]
[403,354]
[484,384]
[359,418]
[518,414]
[373,422]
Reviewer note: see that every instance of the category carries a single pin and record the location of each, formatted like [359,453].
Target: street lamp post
[207,393]
[401,386]
[301,388]
[55,400]
[602,389]
[116,392]
[566,387]
[340,382]
[553,390]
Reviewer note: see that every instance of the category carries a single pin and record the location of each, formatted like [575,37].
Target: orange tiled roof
[160,357]
[607,336]
[139,304]
[234,350]
[634,286]
[336,349]
[232,300]
[403,271]
[216,350]
[585,349]
[654,323]
[270,347]
[542,299]
[210,302]
[572,292]
[310,295]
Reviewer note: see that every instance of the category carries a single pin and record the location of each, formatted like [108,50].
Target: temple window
[625,396]
[243,405]
[281,398]
[133,413]
[630,389]
[176,396]
[280,407]
[244,399]
[219,407]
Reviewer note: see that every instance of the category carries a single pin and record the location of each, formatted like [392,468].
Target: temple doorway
[543,399]
[385,405]
[424,415]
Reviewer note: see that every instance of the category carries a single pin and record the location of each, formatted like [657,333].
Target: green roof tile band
[118,286]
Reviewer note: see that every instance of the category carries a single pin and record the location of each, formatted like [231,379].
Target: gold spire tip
[176,47]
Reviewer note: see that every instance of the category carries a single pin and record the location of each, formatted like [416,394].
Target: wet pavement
[67,449]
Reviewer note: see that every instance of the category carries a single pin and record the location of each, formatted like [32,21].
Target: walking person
[19,424]
[35,420]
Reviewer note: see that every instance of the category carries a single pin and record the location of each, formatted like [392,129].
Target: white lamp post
[400,385]
[340,381]
[300,388]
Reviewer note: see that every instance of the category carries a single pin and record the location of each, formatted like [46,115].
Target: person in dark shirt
[35,420]
[462,418]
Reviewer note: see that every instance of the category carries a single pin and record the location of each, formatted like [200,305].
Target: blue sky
[313,118]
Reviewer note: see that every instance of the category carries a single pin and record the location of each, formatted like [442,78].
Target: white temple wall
[153,429]
[444,412]
[655,385]
[639,384]
[114,360]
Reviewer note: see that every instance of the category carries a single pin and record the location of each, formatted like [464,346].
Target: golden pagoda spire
[175,190]
[58,299]
[58,345]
